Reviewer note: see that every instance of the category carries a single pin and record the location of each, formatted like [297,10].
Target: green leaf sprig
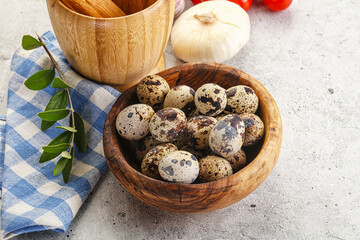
[56,109]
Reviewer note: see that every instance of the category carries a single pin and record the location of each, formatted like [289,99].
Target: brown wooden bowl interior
[127,6]
[194,198]
[133,6]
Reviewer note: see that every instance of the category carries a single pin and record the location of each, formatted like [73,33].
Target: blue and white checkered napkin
[32,198]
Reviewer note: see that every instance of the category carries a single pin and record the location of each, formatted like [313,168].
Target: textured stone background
[308,59]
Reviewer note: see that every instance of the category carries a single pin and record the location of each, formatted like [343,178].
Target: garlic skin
[179,7]
[212,31]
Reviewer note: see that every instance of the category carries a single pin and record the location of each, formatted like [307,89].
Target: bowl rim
[113,18]
[272,133]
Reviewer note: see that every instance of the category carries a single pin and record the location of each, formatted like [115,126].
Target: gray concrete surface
[308,59]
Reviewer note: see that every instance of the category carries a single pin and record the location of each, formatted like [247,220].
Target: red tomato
[245,4]
[198,1]
[277,5]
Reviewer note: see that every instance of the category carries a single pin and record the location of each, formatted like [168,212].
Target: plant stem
[67,90]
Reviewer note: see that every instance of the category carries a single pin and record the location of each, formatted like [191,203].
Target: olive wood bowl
[201,197]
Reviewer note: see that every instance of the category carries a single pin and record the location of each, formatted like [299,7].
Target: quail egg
[168,124]
[195,114]
[241,99]
[254,128]
[220,116]
[213,168]
[210,99]
[198,130]
[237,161]
[181,97]
[151,90]
[132,123]
[144,145]
[150,163]
[228,135]
[197,153]
[181,142]
[180,167]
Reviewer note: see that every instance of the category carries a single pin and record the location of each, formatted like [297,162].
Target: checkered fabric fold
[32,198]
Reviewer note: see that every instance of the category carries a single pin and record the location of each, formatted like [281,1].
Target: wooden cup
[116,51]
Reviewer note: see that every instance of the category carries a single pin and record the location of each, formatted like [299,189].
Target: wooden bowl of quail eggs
[194,138]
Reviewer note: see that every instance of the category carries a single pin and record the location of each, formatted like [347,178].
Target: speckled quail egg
[210,99]
[213,168]
[144,145]
[220,116]
[181,97]
[197,153]
[237,161]
[228,135]
[132,123]
[150,163]
[254,128]
[180,167]
[195,114]
[181,142]
[198,130]
[241,99]
[151,90]
[168,124]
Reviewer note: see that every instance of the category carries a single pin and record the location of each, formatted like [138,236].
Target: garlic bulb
[179,7]
[212,31]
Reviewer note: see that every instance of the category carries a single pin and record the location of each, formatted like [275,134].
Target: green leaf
[68,167]
[60,165]
[62,138]
[56,148]
[29,42]
[80,136]
[46,125]
[40,80]
[70,129]
[45,156]
[59,83]
[54,115]
[65,154]
[58,101]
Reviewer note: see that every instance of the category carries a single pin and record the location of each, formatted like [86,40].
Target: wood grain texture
[159,67]
[116,51]
[95,8]
[131,7]
[196,198]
